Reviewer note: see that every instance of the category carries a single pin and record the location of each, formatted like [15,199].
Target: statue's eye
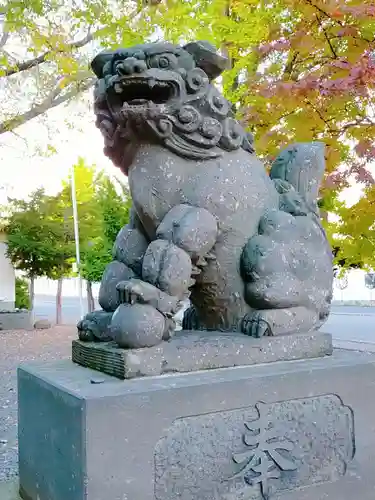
[164,61]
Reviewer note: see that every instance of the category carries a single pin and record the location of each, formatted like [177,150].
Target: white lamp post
[76,238]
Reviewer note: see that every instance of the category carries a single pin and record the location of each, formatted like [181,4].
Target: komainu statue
[208,223]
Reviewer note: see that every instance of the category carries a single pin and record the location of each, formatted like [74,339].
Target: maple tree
[318,83]
[301,69]
[46,48]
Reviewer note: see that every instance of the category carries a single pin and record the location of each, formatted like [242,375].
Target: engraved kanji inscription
[284,446]
[267,455]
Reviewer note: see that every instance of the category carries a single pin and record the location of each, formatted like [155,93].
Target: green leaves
[37,240]
[40,230]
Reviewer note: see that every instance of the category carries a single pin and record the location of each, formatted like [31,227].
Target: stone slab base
[192,351]
[300,430]
[9,490]
[15,320]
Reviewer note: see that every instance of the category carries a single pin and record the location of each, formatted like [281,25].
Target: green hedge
[22,294]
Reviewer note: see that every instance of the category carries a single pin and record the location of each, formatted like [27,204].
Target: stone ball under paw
[137,325]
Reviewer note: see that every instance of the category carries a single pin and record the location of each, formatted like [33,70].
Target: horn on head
[207,58]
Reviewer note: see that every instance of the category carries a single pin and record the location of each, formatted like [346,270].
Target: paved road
[346,323]
[45,307]
[351,326]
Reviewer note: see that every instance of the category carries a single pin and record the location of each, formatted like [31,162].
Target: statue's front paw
[85,330]
[94,327]
[133,291]
[255,325]
[190,319]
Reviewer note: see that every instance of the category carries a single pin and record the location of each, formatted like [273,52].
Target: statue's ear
[207,58]
[99,61]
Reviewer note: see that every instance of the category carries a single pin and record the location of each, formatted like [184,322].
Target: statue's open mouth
[141,92]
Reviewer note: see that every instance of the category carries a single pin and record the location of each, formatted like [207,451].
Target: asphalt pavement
[346,323]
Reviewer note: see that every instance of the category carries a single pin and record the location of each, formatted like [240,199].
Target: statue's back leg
[287,267]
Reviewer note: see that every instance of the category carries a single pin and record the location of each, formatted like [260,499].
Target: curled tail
[300,166]
[287,266]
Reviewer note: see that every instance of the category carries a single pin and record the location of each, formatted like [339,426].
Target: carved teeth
[195,271]
[151,83]
[201,262]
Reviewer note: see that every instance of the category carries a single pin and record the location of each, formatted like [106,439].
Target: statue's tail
[302,165]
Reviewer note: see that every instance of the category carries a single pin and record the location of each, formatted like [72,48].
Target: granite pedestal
[190,351]
[290,430]
[16,320]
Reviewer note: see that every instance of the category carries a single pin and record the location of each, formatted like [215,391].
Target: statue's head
[162,93]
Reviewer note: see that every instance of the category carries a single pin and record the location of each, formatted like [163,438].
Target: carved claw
[201,262]
[131,292]
[85,330]
[195,271]
[137,291]
[256,326]
[210,256]
[94,327]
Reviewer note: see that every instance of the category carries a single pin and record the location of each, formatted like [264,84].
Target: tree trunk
[32,296]
[90,297]
[58,301]
[31,292]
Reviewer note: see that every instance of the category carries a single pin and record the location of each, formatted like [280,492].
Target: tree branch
[5,35]
[31,63]
[324,120]
[54,99]
[325,14]
[326,37]
[4,38]
[290,64]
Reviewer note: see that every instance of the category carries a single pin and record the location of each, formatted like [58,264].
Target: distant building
[7,277]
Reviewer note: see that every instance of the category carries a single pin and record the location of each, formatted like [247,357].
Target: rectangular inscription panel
[250,453]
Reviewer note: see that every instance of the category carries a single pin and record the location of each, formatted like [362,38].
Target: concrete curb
[354,345]
[358,303]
